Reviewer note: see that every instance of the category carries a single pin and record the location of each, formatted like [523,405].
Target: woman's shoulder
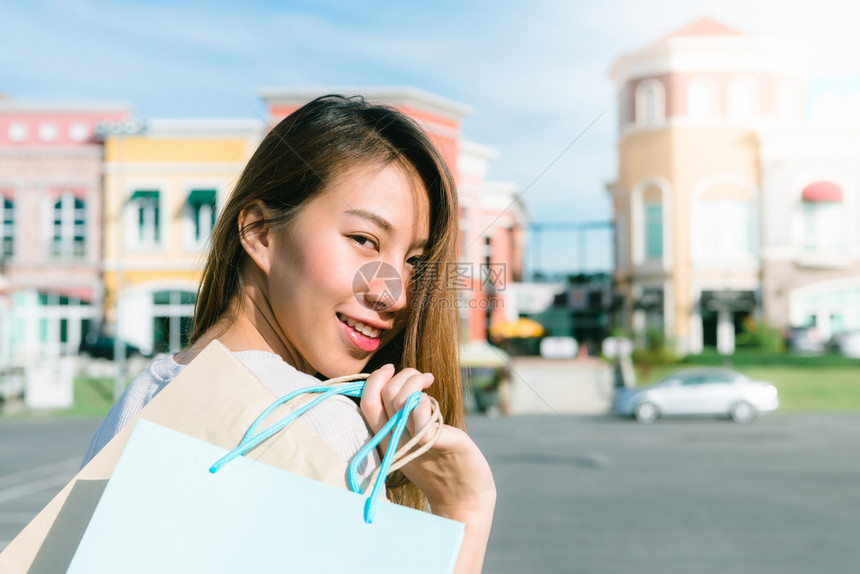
[282,378]
[337,420]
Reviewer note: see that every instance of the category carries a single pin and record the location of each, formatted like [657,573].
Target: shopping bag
[164,510]
[215,399]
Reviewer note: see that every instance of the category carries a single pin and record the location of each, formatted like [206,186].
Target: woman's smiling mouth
[362,335]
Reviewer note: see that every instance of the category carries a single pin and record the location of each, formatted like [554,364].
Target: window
[703,98]
[145,209]
[201,216]
[650,218]
[823,227]
[50,323]
[69,227]
[653,231]
[172,319]
[18,132]
[650,103]
[743,98]
[79,132]
[832,310]
[823,219]
[725,228]
[48,132]
[7,235]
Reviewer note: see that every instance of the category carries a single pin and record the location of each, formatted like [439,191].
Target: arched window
[7,236]
[69,227]
[823,219]
[652,211]
[743,98]
[651,222]
[703,98]
[650,103]
[724,223]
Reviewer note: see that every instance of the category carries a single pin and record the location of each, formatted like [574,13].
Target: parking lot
[595,494]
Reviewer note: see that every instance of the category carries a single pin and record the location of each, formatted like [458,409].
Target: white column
[725,333]
[696,343]
[639,326]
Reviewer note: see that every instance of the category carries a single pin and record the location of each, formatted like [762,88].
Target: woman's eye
[414,261]
[363,241]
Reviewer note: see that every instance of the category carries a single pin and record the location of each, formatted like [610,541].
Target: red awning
[822,191]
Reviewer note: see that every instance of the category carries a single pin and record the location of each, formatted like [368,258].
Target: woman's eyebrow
[380,221]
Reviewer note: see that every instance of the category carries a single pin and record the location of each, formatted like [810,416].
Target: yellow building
[164,182]
[687,201]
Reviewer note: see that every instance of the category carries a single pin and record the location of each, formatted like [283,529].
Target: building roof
[702,27]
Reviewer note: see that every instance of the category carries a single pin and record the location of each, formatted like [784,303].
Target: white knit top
[337,420]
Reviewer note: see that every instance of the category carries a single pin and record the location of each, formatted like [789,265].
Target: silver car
[703,391]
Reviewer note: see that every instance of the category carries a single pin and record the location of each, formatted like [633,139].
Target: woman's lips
[363,342]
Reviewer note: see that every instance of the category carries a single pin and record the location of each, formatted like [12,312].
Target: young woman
[325,262]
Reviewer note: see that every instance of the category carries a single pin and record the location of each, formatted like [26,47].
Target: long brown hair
[291,166]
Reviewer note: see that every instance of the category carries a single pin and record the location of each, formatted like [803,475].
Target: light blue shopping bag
[177,504]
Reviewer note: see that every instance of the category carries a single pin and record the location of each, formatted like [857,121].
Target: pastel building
[730,202]
[493,223]
[810,247]
[492,218]
[50,225]
[164,184]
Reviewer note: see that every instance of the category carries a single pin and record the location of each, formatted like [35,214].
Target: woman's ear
[254,234]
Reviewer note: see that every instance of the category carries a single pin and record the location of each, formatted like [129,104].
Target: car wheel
[646,412]
[742,412]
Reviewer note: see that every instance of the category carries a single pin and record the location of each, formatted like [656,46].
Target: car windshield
[693,378]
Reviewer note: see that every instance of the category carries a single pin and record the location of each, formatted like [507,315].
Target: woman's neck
[248,325]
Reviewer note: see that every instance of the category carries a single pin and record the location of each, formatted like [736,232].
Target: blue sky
[535,73]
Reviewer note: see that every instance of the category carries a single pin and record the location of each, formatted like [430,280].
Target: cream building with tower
[731,203]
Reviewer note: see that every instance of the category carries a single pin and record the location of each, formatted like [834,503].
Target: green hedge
[761,358]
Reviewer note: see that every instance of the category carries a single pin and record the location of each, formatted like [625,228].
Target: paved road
[37,457]
[601,495]
[593,494]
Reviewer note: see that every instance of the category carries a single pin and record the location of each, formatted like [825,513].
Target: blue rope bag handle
[395,426]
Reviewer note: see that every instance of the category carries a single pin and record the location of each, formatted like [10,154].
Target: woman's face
[338,279]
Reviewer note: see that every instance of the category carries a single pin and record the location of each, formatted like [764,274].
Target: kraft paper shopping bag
[214,399]
[164,511]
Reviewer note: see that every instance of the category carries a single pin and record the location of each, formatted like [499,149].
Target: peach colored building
[698,230]
[51,188]
[492,218]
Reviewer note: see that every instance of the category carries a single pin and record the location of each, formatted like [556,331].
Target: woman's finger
[416,383]
[371,404]
[420,417]
[394,390]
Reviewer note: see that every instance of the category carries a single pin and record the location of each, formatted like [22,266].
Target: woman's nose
[384,288]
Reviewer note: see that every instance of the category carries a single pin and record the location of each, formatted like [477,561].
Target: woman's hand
[453,474]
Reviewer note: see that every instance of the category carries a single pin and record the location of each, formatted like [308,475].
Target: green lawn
[801,389]
[93,398]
